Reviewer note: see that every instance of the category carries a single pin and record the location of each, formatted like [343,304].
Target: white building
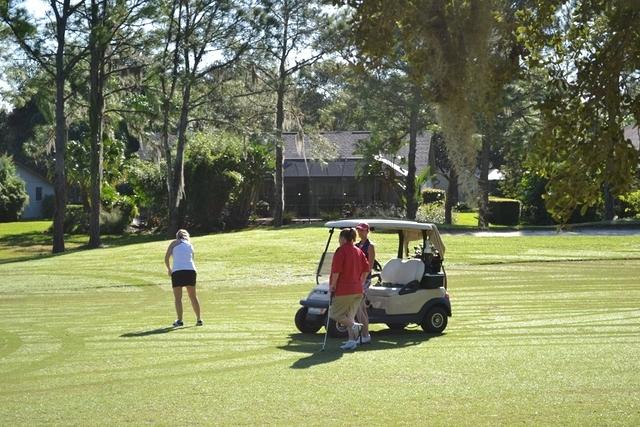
[38,187]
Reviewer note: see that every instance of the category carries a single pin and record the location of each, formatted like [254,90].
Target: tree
[289,27]
[466,50]
[200,40]
[13,194]
[112,33]
[439,159]
[58,60]
[590,52]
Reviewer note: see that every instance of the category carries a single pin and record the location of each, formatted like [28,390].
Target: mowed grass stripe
[530,342]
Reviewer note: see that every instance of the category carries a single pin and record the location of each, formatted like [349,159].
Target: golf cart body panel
[408,289]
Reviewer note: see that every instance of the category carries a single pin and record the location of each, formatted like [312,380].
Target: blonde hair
[182,234]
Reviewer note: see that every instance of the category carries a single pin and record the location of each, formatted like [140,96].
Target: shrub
[13,193]
[529,191]
[630,205]
[431,212]
[148,182]
[504,211]
[76,220]
[262,209]
[431,195]
[378,210]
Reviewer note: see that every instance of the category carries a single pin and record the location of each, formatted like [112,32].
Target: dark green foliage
[148,181]
[504,211]
[13,194]
[113,219]
[48,206]
[630,205]
[432,195]
[530,190]
[222,175]
[76,220]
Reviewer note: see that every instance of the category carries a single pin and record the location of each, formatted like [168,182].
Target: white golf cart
[411,288]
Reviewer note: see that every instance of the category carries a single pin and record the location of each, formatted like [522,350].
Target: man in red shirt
[349,270]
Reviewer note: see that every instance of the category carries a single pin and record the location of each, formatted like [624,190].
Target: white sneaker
[349,345]
[365,340]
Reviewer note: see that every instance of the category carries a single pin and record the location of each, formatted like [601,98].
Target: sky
[37,9]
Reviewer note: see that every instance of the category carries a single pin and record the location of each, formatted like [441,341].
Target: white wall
[33,182]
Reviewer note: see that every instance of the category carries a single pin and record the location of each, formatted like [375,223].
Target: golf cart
[407,289]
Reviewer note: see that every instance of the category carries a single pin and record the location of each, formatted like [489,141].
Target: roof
[343,145]
[382,224]
[336,168]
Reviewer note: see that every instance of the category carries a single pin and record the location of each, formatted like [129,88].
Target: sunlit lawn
[545,332]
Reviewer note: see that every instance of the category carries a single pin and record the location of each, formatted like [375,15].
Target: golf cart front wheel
[303,324]
[337,330]
[435,321]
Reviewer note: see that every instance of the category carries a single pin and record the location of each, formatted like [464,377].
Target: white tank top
[183,256]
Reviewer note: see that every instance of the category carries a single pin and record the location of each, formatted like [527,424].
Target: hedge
[504,211]
[432,195]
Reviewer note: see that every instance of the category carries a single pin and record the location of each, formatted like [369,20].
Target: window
[38,193]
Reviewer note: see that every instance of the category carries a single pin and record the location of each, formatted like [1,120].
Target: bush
[76,220]
[148,182]
[13,193]
[432,195]
[48,206]
[504,211]
[533,210]
[378,210]
[630,205]
[431,212]
[262,209]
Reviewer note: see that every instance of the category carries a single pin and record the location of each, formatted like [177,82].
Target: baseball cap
[362,226]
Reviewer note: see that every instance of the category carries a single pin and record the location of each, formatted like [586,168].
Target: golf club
[326,326]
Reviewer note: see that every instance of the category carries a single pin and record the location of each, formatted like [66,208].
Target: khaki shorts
[361,313]
[345,306]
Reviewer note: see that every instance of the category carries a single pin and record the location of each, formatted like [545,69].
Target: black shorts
[183,278]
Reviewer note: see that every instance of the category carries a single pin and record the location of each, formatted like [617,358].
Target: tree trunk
[96,122]
[60,180]
[483,184]
[177,186]
[452,196]
[609,202]
[278,200]
[410,190]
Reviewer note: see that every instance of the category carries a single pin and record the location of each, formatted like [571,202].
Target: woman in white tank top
[183,274]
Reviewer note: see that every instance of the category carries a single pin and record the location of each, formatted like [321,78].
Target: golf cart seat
[402,271]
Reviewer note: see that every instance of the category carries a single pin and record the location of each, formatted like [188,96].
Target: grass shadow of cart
[385,339]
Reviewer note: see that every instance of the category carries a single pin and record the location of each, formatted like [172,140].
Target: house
[38,187]
[314,184]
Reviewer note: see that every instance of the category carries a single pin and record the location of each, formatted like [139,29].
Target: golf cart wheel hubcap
[436,320]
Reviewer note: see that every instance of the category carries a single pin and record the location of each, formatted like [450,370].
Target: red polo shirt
[350,262]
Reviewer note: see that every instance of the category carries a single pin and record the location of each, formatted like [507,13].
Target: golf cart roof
[411,230]
[381,224]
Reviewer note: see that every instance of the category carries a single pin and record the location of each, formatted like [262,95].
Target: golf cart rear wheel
[397,326]
[303,324]
[435,321]
[337,330]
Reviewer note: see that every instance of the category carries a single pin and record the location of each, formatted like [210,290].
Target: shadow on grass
[380,340]
[157,331]
[37,244]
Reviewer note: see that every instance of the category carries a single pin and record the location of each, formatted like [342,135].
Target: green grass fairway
[546,331]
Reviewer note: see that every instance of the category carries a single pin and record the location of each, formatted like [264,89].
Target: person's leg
[191,290]
[177,294]
[363,317]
